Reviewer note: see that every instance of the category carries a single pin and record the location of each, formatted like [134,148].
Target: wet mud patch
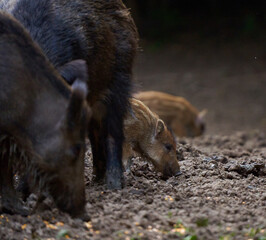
[221,194]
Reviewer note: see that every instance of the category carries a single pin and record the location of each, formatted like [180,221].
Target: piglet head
[162,151]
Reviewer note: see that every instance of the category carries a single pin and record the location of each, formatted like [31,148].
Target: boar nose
[170,170]
[202,127]
[200,123]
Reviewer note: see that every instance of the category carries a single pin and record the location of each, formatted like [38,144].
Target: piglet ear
[75,109]
[159,127]
[202,114]
[76,69]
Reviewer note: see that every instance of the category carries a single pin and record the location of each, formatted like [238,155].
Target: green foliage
[202,222]
[179,224]
[193,237]
[135,238]
[226,237]
[170,214]
[253,232]
[62,233]
[262,238]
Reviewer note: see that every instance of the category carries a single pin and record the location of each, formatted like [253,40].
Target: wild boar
[104,34]
[147,136]
[42,124]
[177,113]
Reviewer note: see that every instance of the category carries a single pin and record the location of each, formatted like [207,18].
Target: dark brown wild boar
[183,118]
[42,124]
[103,33]
[147,136]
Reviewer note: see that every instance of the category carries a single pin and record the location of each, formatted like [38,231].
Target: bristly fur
[10,147]
[25,161]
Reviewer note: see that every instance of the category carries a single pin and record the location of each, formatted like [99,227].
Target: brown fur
[183,118]
[147,135]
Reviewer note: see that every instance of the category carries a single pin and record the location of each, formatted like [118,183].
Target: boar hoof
[23,189]
[114,180]
[84,217]
[14,207]
[98,180]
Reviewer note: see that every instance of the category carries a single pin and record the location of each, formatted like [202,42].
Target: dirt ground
[222,191]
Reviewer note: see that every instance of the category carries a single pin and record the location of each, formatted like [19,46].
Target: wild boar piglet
[146,135]
[177,113]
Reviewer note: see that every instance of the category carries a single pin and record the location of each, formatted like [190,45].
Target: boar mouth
[168,171]
[67,199]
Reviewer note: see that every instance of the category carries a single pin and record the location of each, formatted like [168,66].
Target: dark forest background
[166,20]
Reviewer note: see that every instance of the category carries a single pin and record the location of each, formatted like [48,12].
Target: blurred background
[212,52]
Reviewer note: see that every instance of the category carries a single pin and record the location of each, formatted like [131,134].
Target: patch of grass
[135,238]
[125,234]
[170,214]
[253,232]
[193,237]
[226,237]
[182,231]
[202,222]
[262,238]
[63,233]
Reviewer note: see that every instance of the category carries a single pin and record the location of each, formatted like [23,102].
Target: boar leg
[23,187]
[106,142]
[114,142]
[99,160]
[114,169]
[10,202]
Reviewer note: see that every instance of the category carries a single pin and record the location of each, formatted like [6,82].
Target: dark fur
[42,124]
[103,33]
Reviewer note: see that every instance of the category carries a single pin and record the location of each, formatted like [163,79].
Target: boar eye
[168,147]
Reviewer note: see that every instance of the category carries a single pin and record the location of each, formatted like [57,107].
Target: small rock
[221,159]
[149,200]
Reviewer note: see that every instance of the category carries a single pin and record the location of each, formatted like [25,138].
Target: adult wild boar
[103,33]
[179,114]
[146,135]
[42,124]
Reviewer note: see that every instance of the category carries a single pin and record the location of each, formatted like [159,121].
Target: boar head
[61,172]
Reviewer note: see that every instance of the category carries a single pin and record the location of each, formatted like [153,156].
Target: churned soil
[221,193]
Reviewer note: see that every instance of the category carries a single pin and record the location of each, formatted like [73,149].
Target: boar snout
[72,202]
[171,169]
[200,123]
[202,128]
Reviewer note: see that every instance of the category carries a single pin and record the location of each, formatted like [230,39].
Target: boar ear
[76,104]
[159,127]
[76,69]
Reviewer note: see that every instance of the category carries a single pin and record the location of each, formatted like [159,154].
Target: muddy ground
[222,191]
